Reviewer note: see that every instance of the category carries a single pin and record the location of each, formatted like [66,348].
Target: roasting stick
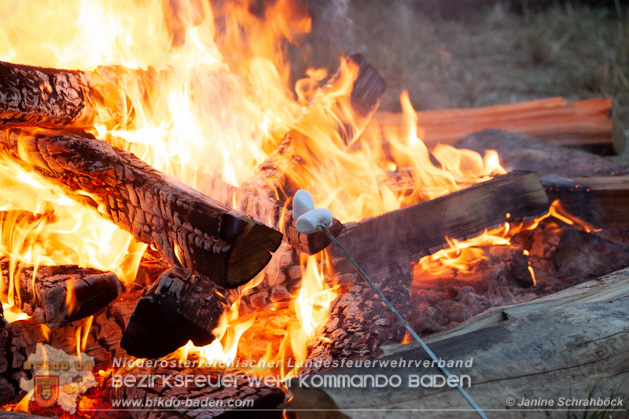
[309,220]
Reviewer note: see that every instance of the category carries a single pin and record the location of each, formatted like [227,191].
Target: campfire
[149,156]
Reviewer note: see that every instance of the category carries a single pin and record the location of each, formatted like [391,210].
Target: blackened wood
[56,98]
[184,225]
[177,308]
[421,229]
[284,171]
[518,152]
[90,290]
[548,354]
[40,96]
[7,385]
[188,399]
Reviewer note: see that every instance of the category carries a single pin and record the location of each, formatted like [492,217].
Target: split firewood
[54,98]
[283,172]
[554,121]
[550,353]
[65,293]
[518,152]
[187,227]
[214,394]
[178,307]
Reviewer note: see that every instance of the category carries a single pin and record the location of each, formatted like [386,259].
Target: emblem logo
[46,389]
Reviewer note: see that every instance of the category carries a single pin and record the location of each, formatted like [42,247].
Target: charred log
[65,293]
[54,98]
[177,308]
[184,225]
[421,229]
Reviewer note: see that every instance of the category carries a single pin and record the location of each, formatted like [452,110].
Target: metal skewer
[408,327]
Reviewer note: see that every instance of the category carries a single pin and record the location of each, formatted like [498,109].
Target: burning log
[554,121]
[421,229]
[65,293]
[269,212]
[558,345]
[523,153]
[102,341]
[213,394]
[178,307]
[184,225]
[53,98]
[281,175]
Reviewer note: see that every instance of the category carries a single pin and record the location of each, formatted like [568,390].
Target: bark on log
[282,173]
[518,152]
[237,387]
[601,201]
[87,290]
[55,98]
[103,340]
[554,121]
[186,226]
[177,308]
[578,352]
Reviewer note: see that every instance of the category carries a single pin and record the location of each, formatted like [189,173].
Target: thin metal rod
[408,327]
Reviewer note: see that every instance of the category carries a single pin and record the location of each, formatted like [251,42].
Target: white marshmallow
[302,203]
[311,220]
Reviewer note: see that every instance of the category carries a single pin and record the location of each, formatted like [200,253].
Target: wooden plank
[573,351]
[554,120]
[187,227]
[421,229]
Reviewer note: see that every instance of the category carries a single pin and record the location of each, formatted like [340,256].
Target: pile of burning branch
[214,268]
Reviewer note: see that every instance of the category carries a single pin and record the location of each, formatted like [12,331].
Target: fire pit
[150,264]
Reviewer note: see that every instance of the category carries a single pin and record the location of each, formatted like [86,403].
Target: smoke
[337,27]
